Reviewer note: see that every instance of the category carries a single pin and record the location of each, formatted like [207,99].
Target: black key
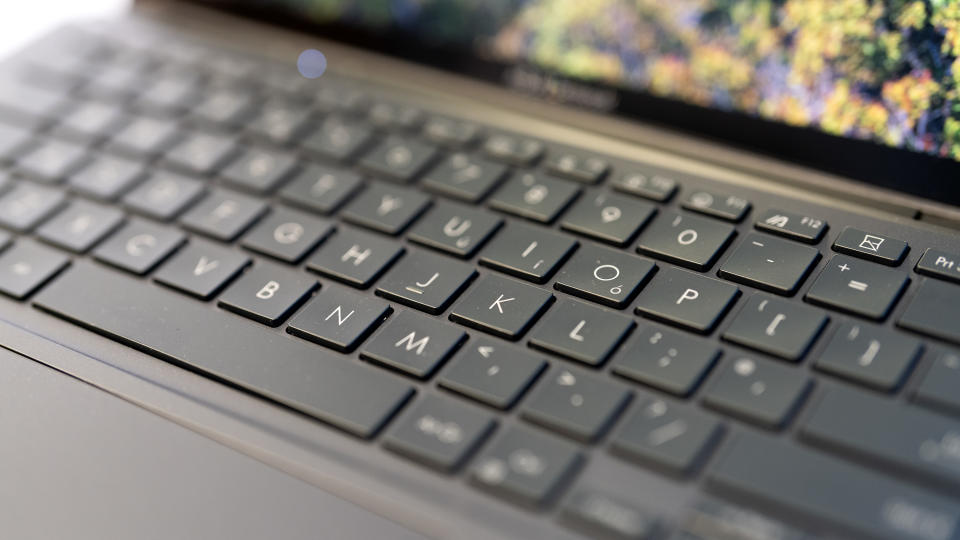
[399,159]
[934,311]
[427,282]
[26,205]
[5,239]
[532,253]
[581,332]
[513,149]
[279,121]
[351,397]
[449,132]
[395,115]
[29,105]
[576,404]
[321,188]
[939,264]
[759,391]
[666,437]
[858,287]
[873,247]
[13,140]
[90,121]
[491,372]
[223,215]
[535,196]
[386,208]
[413,344]
[439,432]
[287,235]
[464,177]
[938,388]
[268,293]
[116,82]
[598,515]
[339,319]
[337,138]
[80,226]
[501,306]
[52,161]
[26,267]
[656,187]
[106,177]
[726,207]
[169,93]
[872,356]
[583,168]
[526,467]
[827,489]
[689,241]
[144,137]
[666,360]
[164,195]
[139,246]
[455,229]
[202,269]
[259,170]
[355,258]
[770,264]
[774,326]
[687,300]
[223,106]
[792,225]
[604,275]
[613,219]
[201,153]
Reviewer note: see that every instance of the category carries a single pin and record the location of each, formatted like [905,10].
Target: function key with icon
[727,207]
[655,187]
[870,246]
[791,225]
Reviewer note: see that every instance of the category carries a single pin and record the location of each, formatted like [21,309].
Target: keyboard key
[26,267]
[613,219]
[279,121]
[115,83]
[106,177]
[872,356]
[202,269]
[268,293]
[201,153]
[287,235]
[223,215]
[858,287]
[666,360]
[321,188]
[341,97]
[501,306]
[725,207]
[80,226]
[413,344]
[491,372]
[513,149]
[339,319]
[455,229]
[583,168]
[653,186]
[934,311]
[169,93]
[139,246]
[144,137]
[5,239]
[792,225]
[259,171]
[52,161]
[164,195]
[449,132]
[29,105]
[385,208]
[398,159]
[770,264]
[439,432]
[426,282]
[534,196]
[598,515]
[774,326]
[531,253]
[581,332]
[337,139]
[355,258]
[90,121]
[27,205]
[687,300]
[576,404]
[758,391]
[604,275]
[526,467]
[464,177]
[666,437]
[352,397]
[938,388]
[395,115]
[13,140]
[689,241]
[872,247]
[939,264]
[223,106]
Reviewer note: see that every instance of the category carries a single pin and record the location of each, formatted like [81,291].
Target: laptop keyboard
[489,305]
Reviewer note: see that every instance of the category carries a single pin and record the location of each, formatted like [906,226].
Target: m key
[414,344]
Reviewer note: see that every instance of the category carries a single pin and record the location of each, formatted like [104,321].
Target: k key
[501,306]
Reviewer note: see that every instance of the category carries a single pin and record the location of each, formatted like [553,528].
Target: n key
[339,319]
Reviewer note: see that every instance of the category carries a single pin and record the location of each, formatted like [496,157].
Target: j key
[427,282]
[26,205]
[106,177]
[666,360]
[80,225]
[576,404]
[321,188]
[224,107]
[464,177]
[455,229]
[337,138]
[164,195]
[512,149]
[823,488]
[604,275]
[386,208]
[202,269]
[501,306]
[139,246]
[279,121]
[689,241]
[776,327]
[339,319]
[26,266]
[581,332]
[939,264]
[287,235]
[169,94]
[877,248]
[598,515]
[413,344]
[770,264]
[302,376]
[613,219]
[399,159]
[268,293]
[12,140]
[259,171]
[439,432]
[90,121]
[201,153]
[29,106]
[535,196]
[939,386]
[653,186]
[394,115]
[858,287]
[223,215]
[667,437]
[587,169]
[726,207]
[759,391]
[532,253]
[687,300]
[51,161]
[491,372]
[792,225]
[449,132]
[934,311]
[354,257]
[527,467]
[144,137]
[872,356]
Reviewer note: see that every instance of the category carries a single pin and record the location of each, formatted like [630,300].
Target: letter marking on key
[411,344]
[498,303]
[339,313]
[268,290]
[205,265]
[689,294]
[575,333]
[772,327]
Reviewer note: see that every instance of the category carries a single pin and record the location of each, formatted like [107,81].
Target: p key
[689,241]
[687,300]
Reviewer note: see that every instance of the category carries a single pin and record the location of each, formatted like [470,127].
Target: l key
[581,332]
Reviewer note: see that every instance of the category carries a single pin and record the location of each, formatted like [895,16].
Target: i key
[527,252]
[689,241]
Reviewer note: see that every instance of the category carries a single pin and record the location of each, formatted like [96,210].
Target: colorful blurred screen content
[885,71]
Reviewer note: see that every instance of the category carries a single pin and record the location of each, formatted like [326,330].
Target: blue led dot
[312,63]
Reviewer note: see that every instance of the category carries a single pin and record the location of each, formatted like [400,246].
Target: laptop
[501,269]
